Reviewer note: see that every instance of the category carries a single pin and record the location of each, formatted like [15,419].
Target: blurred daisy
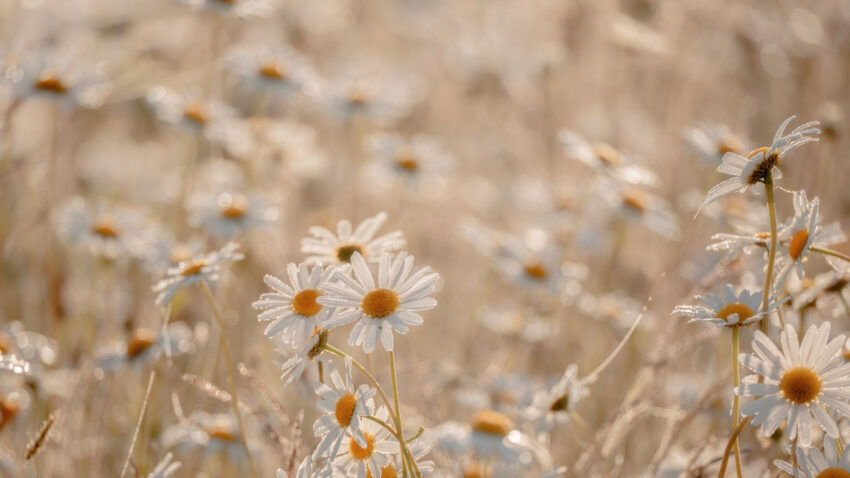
[211,434]
[325,247]
[552,407]
[533,263]
[711,141]
[604,158]
[342,406]
[204,267]
[190,112]
[372,458]
[391,305]
[650,210]
[145,346]
[729,308]
[753,168]
[37,349]
[58,78]
[279,70]
[802,381]
[804,232]
[228,214]
[108,233]
[292,308]
[165,468]
[381,101]
[812,463]
[417,162]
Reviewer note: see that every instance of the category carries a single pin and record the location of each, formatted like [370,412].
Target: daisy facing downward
[391,305]
[802,381]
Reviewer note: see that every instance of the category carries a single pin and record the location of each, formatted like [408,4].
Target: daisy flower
[295,365]
[228,214]
[278,69]
[109,233]
[812,463]
[325,247]
[379,309]
[380,100]
[605,159]
[372,458]
[342,405]
[189,111]
[729,308]
[57,77]
[802,381]
[638,205]
[212,434]
[145,346]
[417,162]
[752,169]
[292,308]
[205,267]
[552,407]
[804,232]
[711,141]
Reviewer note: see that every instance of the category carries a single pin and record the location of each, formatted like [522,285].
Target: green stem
[768,277]
[405,456]
[829,252]
[736,405]
[231,373]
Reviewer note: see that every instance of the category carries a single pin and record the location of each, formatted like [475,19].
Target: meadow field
[407,238]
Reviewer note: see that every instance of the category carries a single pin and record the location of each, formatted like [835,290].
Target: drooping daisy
[204,267]
[753,168]
[295,365]
[343,406]
[374,458]
[711,141]
[292,308]
[804,232]
[729,308]
[812,463]
[325,247]
[227,214]
[605,159]
[804,380]
[552,407]
[379,309]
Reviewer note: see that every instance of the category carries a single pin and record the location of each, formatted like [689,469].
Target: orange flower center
[380,303]
[560,404]
[233,207]
[635,201]
[345,251]
[51,83]
[800,385]
[406,160]
[744,311]
[607,154]
[386,472]
[304,303]
[222,432]
[535,271]
[193,267]
[730,144]
[798,243]
[104,225]
[196,112]
[344,409]
[141,340]
[834,473]
[491,423]
[273,70]
[360,453]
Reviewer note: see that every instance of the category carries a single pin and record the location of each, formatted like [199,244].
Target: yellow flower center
[104,225]
[834,473]
[360,453]
[196,112]
[358,97]
[141,340]
[491,423]
[345,251]
[193,267]
[744,312]
[800,385]
[635,201]
[273,70]
[535,271]
[798,243]
[607,154]
[380,303]
[8,409]
[386,472]
[764,167]
[51,83]
[406,160]
[344,409]
[5,343]
[233,207]
[304,303]
[222,432]
[472,470]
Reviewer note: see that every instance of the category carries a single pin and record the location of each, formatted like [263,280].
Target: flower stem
[771,257]
[736,405]
[231,374]
[405,453]
[829,252]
